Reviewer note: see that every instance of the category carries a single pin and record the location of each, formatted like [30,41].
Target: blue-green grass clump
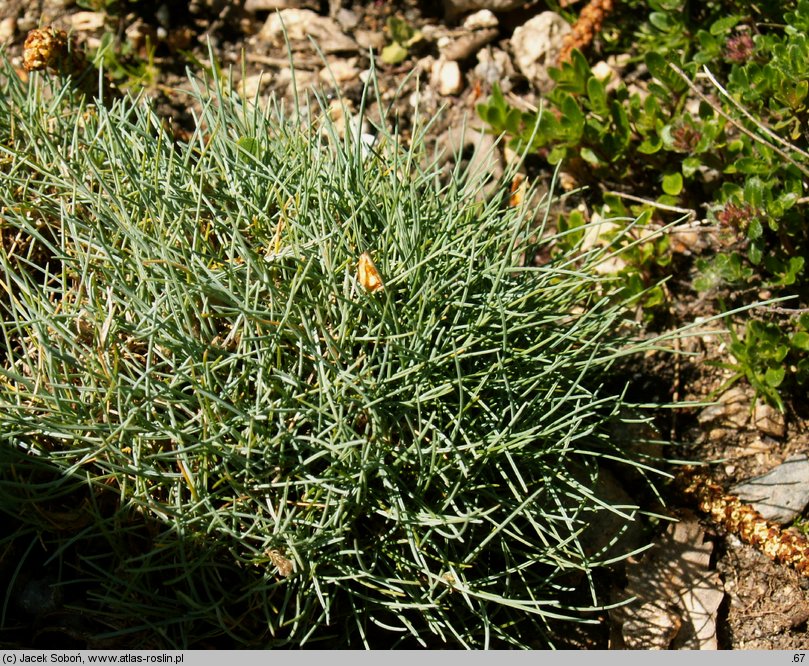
[212,434]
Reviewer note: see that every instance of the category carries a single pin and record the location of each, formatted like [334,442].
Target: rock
[536,45]
[462,45]
[455,7]
[446,77]
[597,235]
[347,19]
[782,494]
[301,24]
[485,160]
[769,420]
[638,436]
[719,434]
[651,626]
[425,101]
[732,408]
[612,534]
[480,20]
[567,181]
[340,70]
[370,39]
[254,6]
[87,21]
[253,85]
[303,79]
[494,66]
[603,72]
[343,117]
[8,28]
[672,595]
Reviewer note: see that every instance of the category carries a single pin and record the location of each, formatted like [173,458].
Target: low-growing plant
[687,141]
[770,356]
[403,37]
[602,136]
[214,431]
[639,253]
[125,67]
[652,140]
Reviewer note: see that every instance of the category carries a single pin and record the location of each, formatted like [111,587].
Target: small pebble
[782,494]
[8,27]
[480,20]
[446,77]
[769,420]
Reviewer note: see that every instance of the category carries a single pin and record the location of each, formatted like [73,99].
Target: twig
[736,123]
[674,209]
[758,123]
[792,312]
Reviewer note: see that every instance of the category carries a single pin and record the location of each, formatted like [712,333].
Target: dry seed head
[285,566]
[367,274]
[744,521]
[585,28]
[49,47]
[517,191]
[44,48]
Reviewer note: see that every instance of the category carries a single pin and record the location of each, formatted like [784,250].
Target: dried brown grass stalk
[728,511]
[585,28]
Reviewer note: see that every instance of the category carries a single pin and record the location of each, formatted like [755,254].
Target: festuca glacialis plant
[277,385]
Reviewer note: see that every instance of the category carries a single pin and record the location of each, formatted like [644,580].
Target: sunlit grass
[217,436]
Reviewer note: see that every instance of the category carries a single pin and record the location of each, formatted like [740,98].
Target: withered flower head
[686,137]
[739,48]
[285,566]
[44,48]
[49,47]
[735,216]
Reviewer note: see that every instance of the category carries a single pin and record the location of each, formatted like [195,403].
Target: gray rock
[769,420]
[536,45]
[299,24]
[455,7]
[731,409]
[781,494]
[494,66]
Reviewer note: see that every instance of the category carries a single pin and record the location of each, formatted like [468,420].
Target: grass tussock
[215,431]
